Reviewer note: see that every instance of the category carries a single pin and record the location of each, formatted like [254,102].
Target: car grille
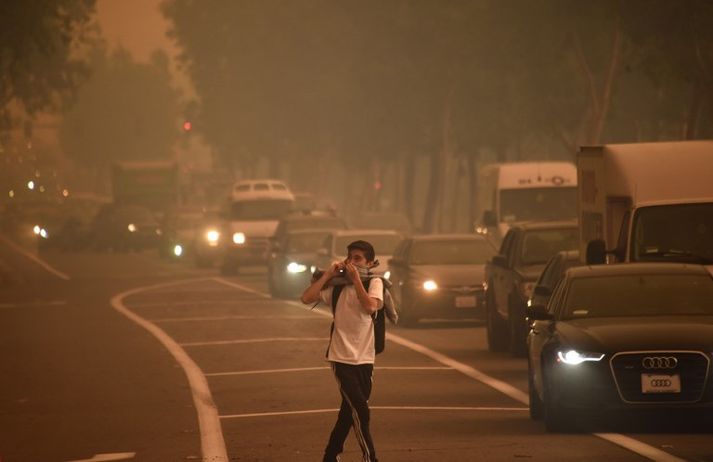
[692,368]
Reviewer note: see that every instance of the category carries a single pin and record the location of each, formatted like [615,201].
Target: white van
[520,192]
[646,202]
[254,210]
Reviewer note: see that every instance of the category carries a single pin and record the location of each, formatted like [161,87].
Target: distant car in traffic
[207,239]
[124,228]
[550,276]
[628,337]
[440,276]
[510,278]
[179,228]
[335,245]
[292,261]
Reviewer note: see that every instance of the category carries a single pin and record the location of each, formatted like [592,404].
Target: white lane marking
[212,442]
[378,408]
[631,444]
[234,301]
[639,447]
[255,340]
[228,318]
[33,304]
[307,369]
[34,258]
[108,457]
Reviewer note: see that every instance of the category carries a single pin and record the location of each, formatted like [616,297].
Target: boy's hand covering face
[352,272]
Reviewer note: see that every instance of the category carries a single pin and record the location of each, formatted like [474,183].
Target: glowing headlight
[296,268]
[212,236]
[43,233]
[178,250]
[36,229]
[239,238]
[131,228]
[430,285]
[573,357]
[387,275]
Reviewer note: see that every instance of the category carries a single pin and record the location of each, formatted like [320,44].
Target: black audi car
[440,276]
[622,337]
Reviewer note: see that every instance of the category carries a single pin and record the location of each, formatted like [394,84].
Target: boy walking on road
[351,347]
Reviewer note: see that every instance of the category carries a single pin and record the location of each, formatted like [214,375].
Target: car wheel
[517,330]
[536,406]
[495,327]
[557,419]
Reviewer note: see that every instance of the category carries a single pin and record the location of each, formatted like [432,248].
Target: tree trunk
[473,191]
[438,168]
[409,182]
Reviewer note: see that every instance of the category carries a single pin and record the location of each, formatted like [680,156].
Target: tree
[125,111]
[37,38]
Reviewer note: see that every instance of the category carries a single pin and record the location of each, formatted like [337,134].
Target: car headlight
[387,275]
[430,285]
[574,357]
[131,228]
[212,236]
[239,238]
[294,267]
[178,250]
[36,229]
[526,289]
[44,234]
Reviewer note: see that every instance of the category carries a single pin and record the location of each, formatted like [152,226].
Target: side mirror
[489,218]
[542,291]
[596,252]
[539,313]
[500,260]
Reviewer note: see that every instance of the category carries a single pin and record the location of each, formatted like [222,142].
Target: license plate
[659,383]
[466,301]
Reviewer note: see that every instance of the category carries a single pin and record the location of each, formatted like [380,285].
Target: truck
[518,192]
[151,184]
[255,208]
[646,202]
[510,278]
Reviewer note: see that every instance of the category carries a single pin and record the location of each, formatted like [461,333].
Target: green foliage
[125,111]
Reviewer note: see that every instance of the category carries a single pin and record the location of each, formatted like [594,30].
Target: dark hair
[365,246]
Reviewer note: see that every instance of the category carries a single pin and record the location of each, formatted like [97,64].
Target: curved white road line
[378,408]
[34,258]
[631,444]
[212,442]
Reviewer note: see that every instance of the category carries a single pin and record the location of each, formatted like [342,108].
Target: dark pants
[355,388]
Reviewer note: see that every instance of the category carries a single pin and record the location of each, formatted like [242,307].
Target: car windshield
[384,245]
[540,245]
[256,210]
[639,295]
[690,240]
[538,204]
[305,242]
[451,252]
[315,222]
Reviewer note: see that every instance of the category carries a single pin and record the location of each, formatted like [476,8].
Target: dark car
[179,229]
[629,337]
[307,220]
[125,227]
[292,261]
[553,272]
[384,241]
[440,276]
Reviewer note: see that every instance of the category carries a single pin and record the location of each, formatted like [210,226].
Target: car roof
[449,237]
[625,269]
[366,232]
[555,224]
[294,232]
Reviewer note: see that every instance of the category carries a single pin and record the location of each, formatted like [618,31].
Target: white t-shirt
[353,337]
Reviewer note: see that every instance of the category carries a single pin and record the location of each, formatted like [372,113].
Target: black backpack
[379,319]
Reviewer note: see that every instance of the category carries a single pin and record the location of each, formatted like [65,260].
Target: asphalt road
[128,357]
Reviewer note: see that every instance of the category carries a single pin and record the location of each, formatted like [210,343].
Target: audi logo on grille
[659,362]
[661,383]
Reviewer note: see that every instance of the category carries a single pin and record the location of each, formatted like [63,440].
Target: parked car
[628,337]
[125,227]
[335,245]
[440,276]
[292,261]
[550,276]
[511,274]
